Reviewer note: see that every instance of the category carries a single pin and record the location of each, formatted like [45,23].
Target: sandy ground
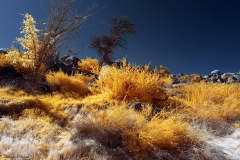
[229,144]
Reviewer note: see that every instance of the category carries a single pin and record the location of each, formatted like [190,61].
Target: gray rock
[103,71]
[118,63]
[180,74]
[216,72]
[176,80]
[213,80]
[72,61]
[180,84]
[230,73]
[218,77]
[221,80]
[236,76]
[138,106]
[3,50]
[231,79]
[206,76]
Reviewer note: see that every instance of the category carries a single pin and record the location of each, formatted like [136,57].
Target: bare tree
[105,44]
[63,24]
[61,27]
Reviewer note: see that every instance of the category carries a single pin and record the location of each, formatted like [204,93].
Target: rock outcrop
[214,77]
[3,50]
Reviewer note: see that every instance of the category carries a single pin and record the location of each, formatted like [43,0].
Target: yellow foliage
[157,134]
[89,65]
[237,125]
[212,101]
[191,78]
[141,134]
[105,107]
[130,83]
[19,103]
[75,85]
[30,43]
[3,60]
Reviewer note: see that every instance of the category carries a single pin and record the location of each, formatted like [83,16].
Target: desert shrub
[131,84]
[26,60]
[89,65]
[141,135]
[191,78]
[74,85]
[3,60]
[163,70]
[211,101]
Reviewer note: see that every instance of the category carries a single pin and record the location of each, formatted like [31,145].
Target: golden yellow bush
[157,134]
[140,134]
[191,78]
[131,84]
[3,60]
[74,85]
[89,65]
[211,101]
[30,43]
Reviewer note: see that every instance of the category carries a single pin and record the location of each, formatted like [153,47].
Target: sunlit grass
[97,121]
[212,101]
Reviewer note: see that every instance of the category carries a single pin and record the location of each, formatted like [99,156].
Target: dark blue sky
[188,36]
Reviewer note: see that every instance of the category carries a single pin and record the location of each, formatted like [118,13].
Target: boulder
[231,79]
[221,80]
[118,63]
[137,106]
[176,79]
[206,76]
[103,71]
[180,84]
[236,76]
[71,61]
[215,72]
[3,50]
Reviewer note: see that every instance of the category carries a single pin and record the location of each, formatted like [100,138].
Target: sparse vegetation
[81,120]
[91,117]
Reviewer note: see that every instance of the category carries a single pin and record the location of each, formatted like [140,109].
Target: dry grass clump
[130,84]
[57,108]
[28,137]
[89,65]
[138,132]
[191,78]
[74,85]
[218,102]
[13,57]
[3,60]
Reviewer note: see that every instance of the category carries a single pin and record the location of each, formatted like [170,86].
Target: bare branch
[62,26]
[105,44]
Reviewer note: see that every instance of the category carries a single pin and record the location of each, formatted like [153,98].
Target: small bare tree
[62,26]
[105,44]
